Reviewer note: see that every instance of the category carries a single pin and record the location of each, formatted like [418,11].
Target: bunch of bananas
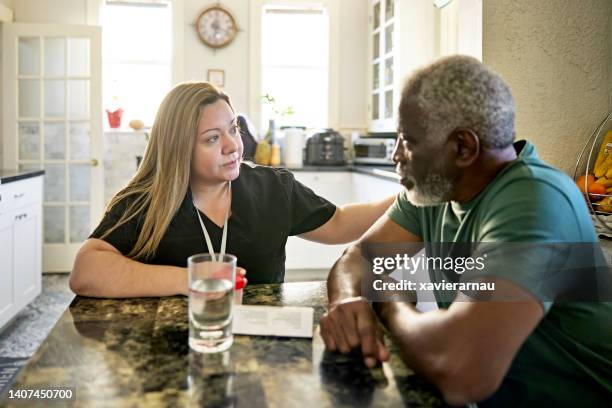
[605,205]
[598,185]
[263,152]
[603,164]
[268,154]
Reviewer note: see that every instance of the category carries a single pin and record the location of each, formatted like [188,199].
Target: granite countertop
[381,171]
[134,352]
[8,176]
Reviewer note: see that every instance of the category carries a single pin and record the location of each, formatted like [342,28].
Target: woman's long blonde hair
[162,180]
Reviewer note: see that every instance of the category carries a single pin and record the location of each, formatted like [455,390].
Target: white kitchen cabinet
[368,188]
[461,28]
[335,187]
[340,188]
[26,252]
[403,37]
[7,298]
[20,245]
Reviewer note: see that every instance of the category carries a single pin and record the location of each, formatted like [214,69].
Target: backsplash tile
[120,151]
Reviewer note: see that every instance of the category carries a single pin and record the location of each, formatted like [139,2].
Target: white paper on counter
[282,321]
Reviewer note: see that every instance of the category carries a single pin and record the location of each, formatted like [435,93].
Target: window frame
[94,11]
[111,63]
[255,71]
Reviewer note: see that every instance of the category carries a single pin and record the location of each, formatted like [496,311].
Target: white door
[52,118]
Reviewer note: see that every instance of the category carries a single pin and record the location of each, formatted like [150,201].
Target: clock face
[216,27]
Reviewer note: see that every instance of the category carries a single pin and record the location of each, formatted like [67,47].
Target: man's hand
[351,323]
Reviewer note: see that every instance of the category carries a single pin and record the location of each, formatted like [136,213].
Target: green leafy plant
[282,111]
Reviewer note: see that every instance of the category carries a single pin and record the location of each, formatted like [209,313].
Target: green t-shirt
[567,360]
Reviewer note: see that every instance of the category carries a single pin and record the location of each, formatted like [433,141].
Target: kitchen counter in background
[8,176]
[384,172]
[130,352]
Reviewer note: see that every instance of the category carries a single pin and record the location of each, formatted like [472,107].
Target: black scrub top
[268,205]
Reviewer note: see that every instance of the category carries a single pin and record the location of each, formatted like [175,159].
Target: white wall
[556,56]
[233,59]
[353,81]
[7,3]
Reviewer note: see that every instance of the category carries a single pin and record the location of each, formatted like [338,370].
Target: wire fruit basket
[593,173]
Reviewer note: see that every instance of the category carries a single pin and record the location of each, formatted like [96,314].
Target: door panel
[53,119]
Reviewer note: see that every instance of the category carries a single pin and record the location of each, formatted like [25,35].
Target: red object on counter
[114,118]
[241,281]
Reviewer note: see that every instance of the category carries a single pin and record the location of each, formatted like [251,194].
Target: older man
[467,181]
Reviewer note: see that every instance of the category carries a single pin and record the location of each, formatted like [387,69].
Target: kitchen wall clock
[216,27]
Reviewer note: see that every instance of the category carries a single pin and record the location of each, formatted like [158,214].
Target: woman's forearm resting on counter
[100,270]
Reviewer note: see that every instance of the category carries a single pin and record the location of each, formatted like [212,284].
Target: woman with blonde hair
[191,194]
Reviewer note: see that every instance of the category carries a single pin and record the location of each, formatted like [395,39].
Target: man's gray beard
[434,190]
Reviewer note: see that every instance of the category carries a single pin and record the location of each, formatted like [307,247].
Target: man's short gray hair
[461,92]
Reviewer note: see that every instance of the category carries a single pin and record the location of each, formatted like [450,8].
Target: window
[136,56]
[294,64]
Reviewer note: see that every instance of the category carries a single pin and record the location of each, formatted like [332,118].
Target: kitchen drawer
[22,193]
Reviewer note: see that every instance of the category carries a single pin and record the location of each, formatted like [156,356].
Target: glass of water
[211,296]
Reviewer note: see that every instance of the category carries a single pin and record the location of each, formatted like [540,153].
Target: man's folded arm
[464,350]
